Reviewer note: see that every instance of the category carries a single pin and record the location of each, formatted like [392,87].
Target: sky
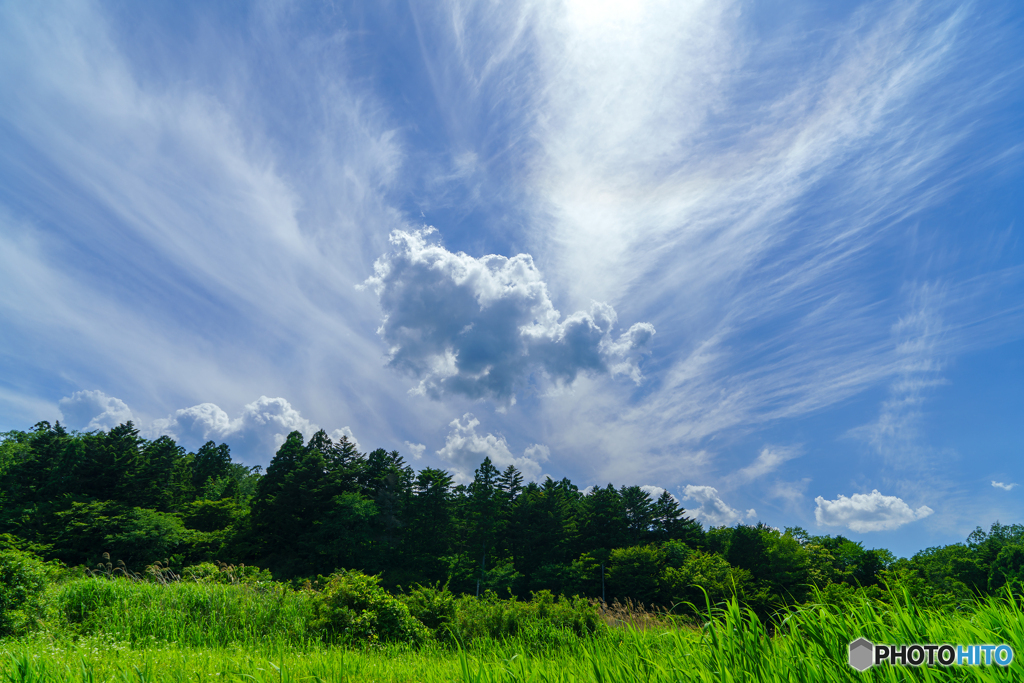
[763,255]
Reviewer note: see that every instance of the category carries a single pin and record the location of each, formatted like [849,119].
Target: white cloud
[480,327]
[416,449]
[655,492]
[863,512]
[916,337]
[464,450]
[1005,487]
[663,163]
[195,425]
[792,492]
[713,511]
[89,410]
[254,436]
[213,236]
[345,432]
[767,461]
[537,453]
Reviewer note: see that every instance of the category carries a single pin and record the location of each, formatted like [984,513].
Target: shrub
[353,607]
[704,576]
[433,606]
[634,572]
[208,572]
[543,617]
[23,578]
[581,577]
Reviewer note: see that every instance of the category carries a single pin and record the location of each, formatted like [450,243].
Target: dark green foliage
[434,606]
[212,515]
[483,507]
[705,578]
[210,462]
[634,573]
[748,550]
[304,519]
[580,577]
[1008,568]
[670,522]
[430,526]
[640,514]
[604,523]
[322,506]
[135,535]
[354,608]
[541,529]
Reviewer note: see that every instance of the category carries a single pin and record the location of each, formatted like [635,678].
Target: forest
[322,506]
[124,558]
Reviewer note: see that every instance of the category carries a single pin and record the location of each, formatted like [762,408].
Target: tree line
[322,505]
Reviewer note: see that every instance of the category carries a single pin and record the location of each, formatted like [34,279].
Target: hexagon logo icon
[861,654]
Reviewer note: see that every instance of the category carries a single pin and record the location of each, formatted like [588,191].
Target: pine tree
[640,512]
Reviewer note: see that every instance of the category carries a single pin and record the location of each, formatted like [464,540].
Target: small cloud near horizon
[864,512]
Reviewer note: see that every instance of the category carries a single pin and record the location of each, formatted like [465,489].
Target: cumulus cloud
[90,410]
[867,512]
[480,327]
[254,436]
[345,432]
[416,449]
[464,450]
[195,425]
[1001,485]
[713,511]
[655,492]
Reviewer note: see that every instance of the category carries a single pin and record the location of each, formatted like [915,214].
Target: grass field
[144,632]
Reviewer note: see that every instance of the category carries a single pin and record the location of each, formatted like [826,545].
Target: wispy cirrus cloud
[917,338]
[767,461]
[666,198]
[170,232]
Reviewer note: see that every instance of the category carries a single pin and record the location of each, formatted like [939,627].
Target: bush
[433,606]
[353,607]
[544,617]
[704,577]
[208,572]
[633,572]
[23,578]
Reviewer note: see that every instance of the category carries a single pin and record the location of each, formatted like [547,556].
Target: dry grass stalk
[634,614]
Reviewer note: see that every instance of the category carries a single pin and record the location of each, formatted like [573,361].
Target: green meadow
[95,629]
[335,565]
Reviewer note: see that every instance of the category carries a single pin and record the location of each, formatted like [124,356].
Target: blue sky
[763,255]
